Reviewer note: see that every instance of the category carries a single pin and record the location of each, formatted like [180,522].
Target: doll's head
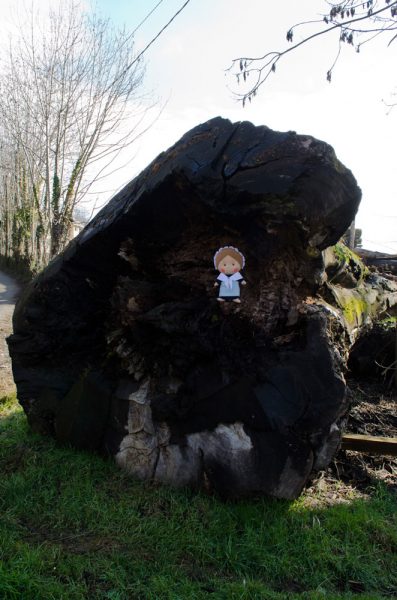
[228,260]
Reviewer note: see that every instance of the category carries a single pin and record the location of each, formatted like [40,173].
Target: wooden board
[370,443]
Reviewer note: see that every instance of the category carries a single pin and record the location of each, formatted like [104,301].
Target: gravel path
[8,292]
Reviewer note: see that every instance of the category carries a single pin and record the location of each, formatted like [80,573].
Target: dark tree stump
[121,346]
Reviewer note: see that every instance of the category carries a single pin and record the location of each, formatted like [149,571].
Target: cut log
[370,443]
[121,345]
[382,262]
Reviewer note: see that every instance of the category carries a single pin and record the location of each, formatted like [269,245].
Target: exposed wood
[122,346]
[352,234]
[370,443]
[385,263]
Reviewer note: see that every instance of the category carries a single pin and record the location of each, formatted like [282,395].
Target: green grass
[73,527]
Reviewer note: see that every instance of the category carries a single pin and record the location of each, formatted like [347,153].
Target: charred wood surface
[121,346]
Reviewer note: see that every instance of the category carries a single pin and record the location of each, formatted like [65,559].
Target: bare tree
[356,23]
[70,103]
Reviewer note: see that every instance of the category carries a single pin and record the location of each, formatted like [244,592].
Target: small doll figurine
[229,261]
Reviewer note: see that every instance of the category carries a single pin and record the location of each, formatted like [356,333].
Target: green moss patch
[354,305]
[351,261]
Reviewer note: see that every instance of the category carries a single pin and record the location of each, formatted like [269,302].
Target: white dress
[230,287]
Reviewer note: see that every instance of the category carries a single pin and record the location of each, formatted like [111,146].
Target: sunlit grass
[74,527]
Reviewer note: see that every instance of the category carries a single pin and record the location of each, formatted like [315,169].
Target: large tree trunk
[121,344]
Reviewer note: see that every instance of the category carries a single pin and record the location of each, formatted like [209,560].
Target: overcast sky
[186,72]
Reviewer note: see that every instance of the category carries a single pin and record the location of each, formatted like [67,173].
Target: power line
[128,67]
[131,35]
[146,18]
[158,35]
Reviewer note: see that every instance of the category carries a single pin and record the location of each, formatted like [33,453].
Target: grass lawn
[73,527]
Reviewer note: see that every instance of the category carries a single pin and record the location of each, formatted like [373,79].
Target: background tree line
[70,103]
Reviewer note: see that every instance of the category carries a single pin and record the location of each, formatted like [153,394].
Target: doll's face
[229,265]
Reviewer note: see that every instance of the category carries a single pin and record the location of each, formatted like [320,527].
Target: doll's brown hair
[228,251]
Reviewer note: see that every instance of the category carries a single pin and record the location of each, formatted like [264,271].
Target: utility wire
[157,36]
[128,67]
[131,35]
[146,18]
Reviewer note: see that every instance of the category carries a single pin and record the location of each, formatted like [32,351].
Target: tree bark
[122,346]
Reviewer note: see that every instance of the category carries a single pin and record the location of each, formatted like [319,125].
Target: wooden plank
[369,443]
